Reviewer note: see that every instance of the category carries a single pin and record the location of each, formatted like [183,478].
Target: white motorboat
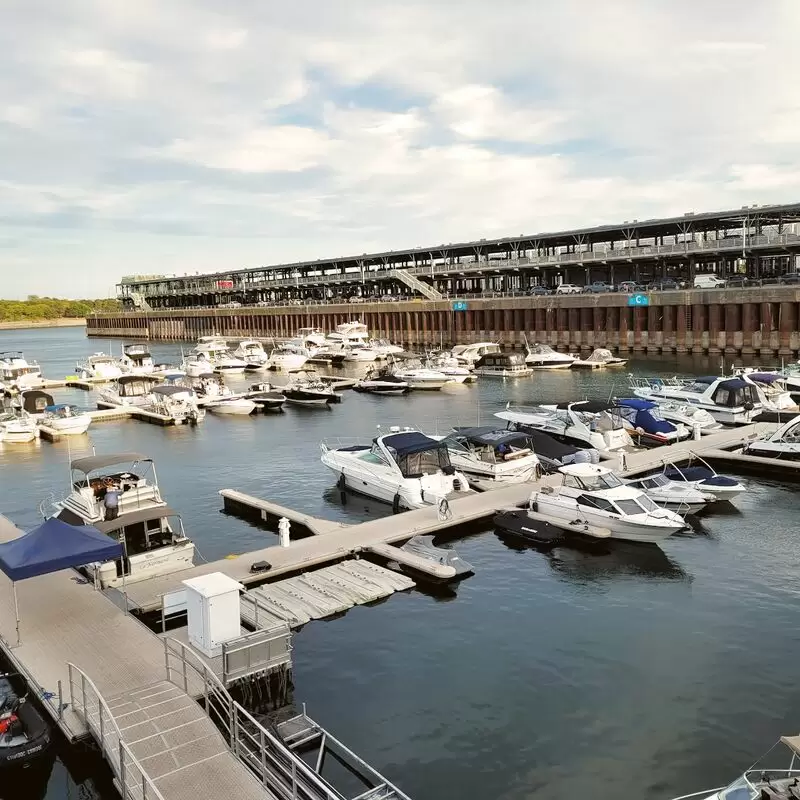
[61,417]
[593,493]
[783,444]
[495,453]
[137,360]
[502,365]
[16,372]
[583,423]
[288,356]
[252,352]
[600,358]
[212,355]
[128,390]
[348,333]
[385,348]
[360,353]
[731,401]
[676,495]
[311,337]
[773,390]
[266,397]
[306,389]
[646,424]
[418,377]
[450,367]
[152,545]
[241,406]
[467,354]
[175,402]
[17,428]
[542,356]
[381,381]
[703,478]
[404,468]
[99,366]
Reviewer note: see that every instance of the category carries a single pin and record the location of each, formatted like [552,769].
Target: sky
[193,136]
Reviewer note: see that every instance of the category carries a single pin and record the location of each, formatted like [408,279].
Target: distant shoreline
[63,322]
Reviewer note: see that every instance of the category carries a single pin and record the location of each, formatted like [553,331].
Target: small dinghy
[520,525]
[24,735]
[424,547]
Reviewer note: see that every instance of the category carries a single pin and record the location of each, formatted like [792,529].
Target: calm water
[640,673]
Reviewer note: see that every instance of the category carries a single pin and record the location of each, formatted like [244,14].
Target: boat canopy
[58,407]
[410,442]
[584,470]
[489,435]
[588,406]
[123,380]
[36,401]
[709,379]
[91,463]
[136,517]
[635,402]
[171,389]
[765,377]
[732,384]
[417,454]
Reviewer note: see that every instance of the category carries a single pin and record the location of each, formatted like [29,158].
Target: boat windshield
[423,462]
[593,483]
[629,507]
[653,481]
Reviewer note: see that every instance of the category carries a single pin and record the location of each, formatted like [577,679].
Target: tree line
[41,308]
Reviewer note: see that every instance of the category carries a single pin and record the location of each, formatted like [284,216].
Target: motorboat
[600,358]
[241,406]
[495,453]
[17,428]
[783,444]
[266,397]
[100,367]
[703,478]
[502,365]
[774,393]
[306,389]
[288,356]
[418,377]
[252,352]
[311,337]
[594,493]
[16,371]
[542,356]
[61,417]
[405,468]
[209,387]
[175,402]
[676,495]
[467,354]
[381,381]
[153,544]
[360,353]
[731,401]
[450,367]
[585,423]
[212,355]
[384,348]
[348,333]
[520,525]
[325,354]
[764,780]
[137,360]
[127,390]
[646,424]
[553,453]
[24,733]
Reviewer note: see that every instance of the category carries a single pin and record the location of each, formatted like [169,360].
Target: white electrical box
[212,606]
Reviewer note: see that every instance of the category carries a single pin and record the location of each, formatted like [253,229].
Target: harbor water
[642,672]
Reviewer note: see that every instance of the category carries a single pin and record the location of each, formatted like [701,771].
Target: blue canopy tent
[51,547]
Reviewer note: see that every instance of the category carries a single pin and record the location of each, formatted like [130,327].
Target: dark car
[632,287]
[540,290]
[737,282]
[790,277]
[598,287]
[665,285]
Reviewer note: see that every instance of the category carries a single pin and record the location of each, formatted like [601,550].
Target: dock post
[122,779]
[283,531]
[60,701]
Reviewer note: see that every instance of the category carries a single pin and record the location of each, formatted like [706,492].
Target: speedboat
[502,365]
[311,337]
[175,402]
[18,428]
[61,417]
[99,366]
[24,733]
[381,381]
[288,356]
[677,495]
[542,356]
[450,367]
[595,494]
[404,468]
[306,389]
[584,423]
[553,453]
[252,352]
[266,397]
[128,390]
[152,544]
[731,401]
[212,355]
[646,424]
[600,358]
[241,406]
[783,444]
[467,354]
[15,371]
[494,453]
[360,353]
[136,360]
[705,479]
[384,348]
[348,333]
[419,377]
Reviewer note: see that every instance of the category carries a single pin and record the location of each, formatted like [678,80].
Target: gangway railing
[132,780]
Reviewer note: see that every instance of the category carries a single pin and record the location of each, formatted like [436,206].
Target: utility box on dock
[212,606]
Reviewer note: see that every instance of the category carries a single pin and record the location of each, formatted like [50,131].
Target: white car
[568,288]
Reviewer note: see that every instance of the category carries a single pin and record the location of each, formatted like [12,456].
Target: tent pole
[16,610]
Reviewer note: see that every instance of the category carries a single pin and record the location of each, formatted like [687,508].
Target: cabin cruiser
[600,358]
[677,495]
[360,353]
[251,351]
[385,348]
[419,377]
[584,423]
[703,478]
[553,453]
[288,356]
[60,417]
[450,367]
[783,444]
[467,354]
[731,401]
[646,424]
[17,428]
[773,390]
[311,337]
[502,365]
[495,453]
[542,356]
[212,355]
[15,371]
[100,367]
[306,389]
[177,403]
[348,333]
[266,397]
[595,494]
[136,360]
[404,468]
[381,381]
[128,390]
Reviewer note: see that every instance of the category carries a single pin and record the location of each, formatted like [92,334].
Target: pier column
[680,329]
[573,328]
[668,314]
[612,328]
[716,337]
[639,324]
[749,328]
[787,323]
[625,325]
[600,336]
[733,328]
[653,336]
[699,328]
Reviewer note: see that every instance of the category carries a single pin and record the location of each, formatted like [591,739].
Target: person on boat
[111,501]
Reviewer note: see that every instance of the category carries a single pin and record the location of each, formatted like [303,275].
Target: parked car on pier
[568,288]
[665,285]
[631,287]
[598,287]
[790,277]
[540,290]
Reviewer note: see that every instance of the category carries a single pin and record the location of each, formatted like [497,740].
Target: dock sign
[638,300]
[460,305]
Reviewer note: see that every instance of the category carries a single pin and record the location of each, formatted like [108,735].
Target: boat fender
[341,482]
[396,503]
[533,505]
[748,406]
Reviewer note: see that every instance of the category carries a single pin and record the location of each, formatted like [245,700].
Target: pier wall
[749,321]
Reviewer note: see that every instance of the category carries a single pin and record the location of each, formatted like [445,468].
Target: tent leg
[16,611]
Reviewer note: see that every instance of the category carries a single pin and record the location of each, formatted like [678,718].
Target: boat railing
[335,442]
[702,793]
[87,702]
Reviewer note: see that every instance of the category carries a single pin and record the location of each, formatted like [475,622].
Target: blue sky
[192,136]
